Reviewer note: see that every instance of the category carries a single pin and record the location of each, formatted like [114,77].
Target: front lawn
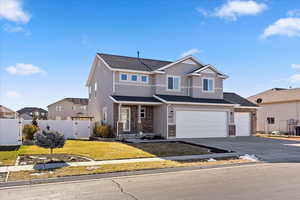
[108,150]
[8,155]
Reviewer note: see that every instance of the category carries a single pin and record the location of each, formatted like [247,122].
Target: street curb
[72,178]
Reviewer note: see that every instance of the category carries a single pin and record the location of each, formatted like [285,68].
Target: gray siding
[67,111]
[100,98]
[197,86]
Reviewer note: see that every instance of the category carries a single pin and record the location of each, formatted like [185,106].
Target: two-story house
[29,113]
[69,109]
[181,99]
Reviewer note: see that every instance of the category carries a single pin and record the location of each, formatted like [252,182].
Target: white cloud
[13,29]
[203,12]
[294,13]
[12,10]
[295,78]
[235,8]
[296,66]
[190,52]
[13,94]
[284,26]
[24,69]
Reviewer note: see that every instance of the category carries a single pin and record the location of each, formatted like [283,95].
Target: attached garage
[201,124]
[242,123]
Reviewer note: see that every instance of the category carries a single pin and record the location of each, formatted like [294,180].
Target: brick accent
[147,122]
[253,117]
[231,130]
[171,130]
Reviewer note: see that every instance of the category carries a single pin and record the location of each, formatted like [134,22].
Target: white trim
[251,107]
[131,71]
[137,78]
[193,103]
[179,61]
[213,84]
[168,121]
[179,83]
[134,102]
[140,112]
[213,68]
[114,82]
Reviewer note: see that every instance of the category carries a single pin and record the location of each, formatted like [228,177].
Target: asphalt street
[261,181]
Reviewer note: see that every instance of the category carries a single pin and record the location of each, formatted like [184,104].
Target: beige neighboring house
[7,113]
[69,109]
[173,99]
[279,110]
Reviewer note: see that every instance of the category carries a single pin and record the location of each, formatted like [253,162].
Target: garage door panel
[242,123]
[201,124]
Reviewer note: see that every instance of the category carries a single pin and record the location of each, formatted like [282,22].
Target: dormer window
[173,83]
[208,84]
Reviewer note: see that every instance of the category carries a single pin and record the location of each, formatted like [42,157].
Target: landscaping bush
[29,131]
[103,131]
[49,140]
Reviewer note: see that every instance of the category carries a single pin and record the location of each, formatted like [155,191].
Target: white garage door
[242,123]
[201,124]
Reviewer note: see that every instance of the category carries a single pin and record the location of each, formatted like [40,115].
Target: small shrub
[49,140]
[103,131]
[29,131]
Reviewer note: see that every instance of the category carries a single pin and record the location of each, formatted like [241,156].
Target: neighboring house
[181,99]
[28,113]
[279,110]
[7,113]
[69,109]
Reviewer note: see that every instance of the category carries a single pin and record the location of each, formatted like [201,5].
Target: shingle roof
[277,95]
[236,99]
[135,99]
[133,63]
[81,101]
[5,109]
[187,99]
[31,109]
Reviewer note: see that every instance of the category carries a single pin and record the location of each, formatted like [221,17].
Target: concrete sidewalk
[104,162]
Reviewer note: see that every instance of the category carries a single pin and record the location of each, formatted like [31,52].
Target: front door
[125,118]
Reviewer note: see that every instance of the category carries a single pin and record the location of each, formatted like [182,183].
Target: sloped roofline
[211,67]
[181,60]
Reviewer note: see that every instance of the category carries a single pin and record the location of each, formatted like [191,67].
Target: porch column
[119,123]
[139,120]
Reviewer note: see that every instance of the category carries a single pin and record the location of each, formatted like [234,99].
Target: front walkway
[104,162]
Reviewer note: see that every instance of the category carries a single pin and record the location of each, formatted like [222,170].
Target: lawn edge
[72,178]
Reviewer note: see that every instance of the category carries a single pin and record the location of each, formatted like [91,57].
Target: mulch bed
[48,158]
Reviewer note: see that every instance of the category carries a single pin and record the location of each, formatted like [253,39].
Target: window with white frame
[83,107]
[96,87]
[123,77]
[144,78]
[134,77]
[143,113]
[73,107]
[58,108]
[208,84]
[173,83]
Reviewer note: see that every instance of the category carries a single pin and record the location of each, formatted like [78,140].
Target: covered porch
[136,116]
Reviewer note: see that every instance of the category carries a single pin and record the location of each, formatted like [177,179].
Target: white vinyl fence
[11,129]
[10,132]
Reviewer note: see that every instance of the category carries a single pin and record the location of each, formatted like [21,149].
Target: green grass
[107,150]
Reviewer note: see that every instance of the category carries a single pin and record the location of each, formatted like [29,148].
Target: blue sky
[47,47]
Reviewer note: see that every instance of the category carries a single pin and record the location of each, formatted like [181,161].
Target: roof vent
[259,100]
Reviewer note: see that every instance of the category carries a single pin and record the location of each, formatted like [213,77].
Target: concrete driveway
[269,150]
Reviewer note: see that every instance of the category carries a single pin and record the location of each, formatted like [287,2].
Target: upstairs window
[173,83]
[144,79]
[58,108]
[271,120]
[83,107]
[208,85]
[123,77]
[134,77]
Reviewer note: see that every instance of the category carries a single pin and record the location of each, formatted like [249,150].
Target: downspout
[119,116]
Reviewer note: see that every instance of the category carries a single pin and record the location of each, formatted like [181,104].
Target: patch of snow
[249,157]
[211,160]
[37,174]
[92,168]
